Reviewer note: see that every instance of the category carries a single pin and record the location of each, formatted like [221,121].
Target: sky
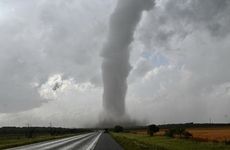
[50,62]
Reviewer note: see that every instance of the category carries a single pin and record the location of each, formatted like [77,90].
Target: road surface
[106,142]
[90,141]
[79,142]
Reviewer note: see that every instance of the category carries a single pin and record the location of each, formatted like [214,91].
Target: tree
[180,131]
[152,129]
[30,132]
[118,128]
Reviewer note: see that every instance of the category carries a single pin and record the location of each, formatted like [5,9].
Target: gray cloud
[38,40]
[174,20]
[197,54]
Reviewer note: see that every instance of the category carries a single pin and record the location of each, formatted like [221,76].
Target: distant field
[219,134]
[8,141]
[132,141]
[211,134]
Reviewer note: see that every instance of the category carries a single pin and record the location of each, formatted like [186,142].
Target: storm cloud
[180,61]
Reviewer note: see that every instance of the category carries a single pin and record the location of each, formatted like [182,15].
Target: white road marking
[64,144]
[94,143]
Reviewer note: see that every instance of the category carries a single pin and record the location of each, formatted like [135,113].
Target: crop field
[211,134]
[131,141]
[216,134]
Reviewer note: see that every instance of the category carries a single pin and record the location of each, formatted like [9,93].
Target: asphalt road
[106,142]
[90,141]
[79,142]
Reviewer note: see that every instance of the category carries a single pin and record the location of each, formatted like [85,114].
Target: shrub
[170,133]
[187,134]
[152,129]
[178,131]
[227,142]
[118,128]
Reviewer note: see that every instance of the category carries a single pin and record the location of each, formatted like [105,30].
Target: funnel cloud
[116,53]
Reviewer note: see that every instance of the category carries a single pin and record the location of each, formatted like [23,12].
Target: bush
[187,134]
[227,142]
[178,131]
[170,133]
[152,129]
[118,128]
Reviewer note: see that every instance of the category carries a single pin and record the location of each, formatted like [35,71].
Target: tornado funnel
[116,53]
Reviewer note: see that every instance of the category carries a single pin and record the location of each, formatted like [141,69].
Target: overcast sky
[50,63]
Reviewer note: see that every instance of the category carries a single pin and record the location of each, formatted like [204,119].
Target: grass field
[144,142]
[18,140]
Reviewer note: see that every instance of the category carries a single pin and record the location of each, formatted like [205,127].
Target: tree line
[30,132]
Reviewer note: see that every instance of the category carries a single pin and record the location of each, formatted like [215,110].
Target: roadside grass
[131,141]
[10,141]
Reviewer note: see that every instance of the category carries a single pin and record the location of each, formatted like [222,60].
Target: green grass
[143,142]
[10,141]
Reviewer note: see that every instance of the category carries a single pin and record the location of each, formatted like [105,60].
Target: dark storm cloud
[176,19]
